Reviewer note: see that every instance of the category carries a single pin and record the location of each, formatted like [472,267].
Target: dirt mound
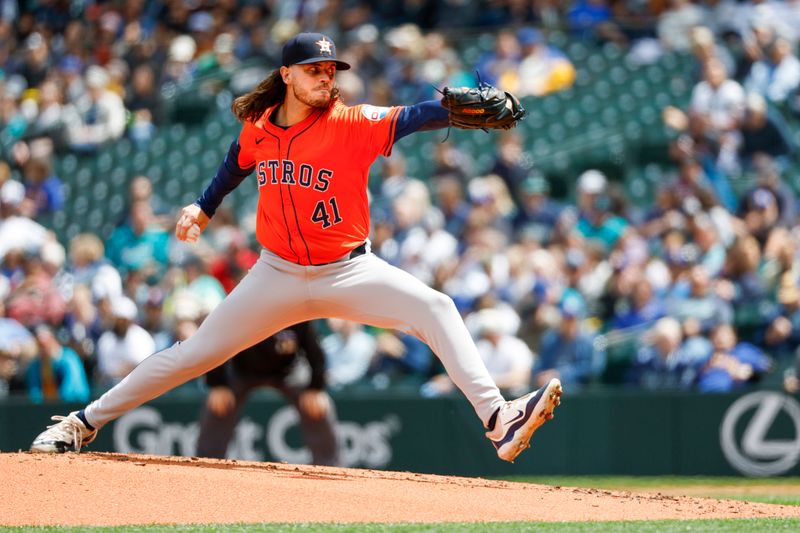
[114,489]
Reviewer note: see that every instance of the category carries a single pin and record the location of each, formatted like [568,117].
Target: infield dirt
[115,489]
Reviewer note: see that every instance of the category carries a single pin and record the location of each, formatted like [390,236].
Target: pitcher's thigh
[378,294]
[263,303]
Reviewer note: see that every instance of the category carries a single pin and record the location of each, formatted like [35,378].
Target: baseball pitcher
[311,156]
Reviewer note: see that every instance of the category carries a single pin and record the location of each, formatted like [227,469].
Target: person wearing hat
[311,155]
[101,113]
[596,221]
[124,346]
[57,372]
[544,69]
[18,232]
[291,362]
[539,213]
[567,351]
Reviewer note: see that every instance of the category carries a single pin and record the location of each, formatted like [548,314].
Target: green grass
[769,488]
[654,482]
[666,526]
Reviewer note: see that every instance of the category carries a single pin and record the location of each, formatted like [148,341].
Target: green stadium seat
[193,145]
[577,52]
[176,160]
[99,193]
[172,191]
[210,161]
[655,74]
[116,206]
[610,116]
[640,89]
[597,64]
[118,178]
[158,146]
[176,134]
[138,163]
[122,148]
[612,52]
[80,204]
[72,230]
[68,164]
[82,179]
[618,76]
[589,104]
[104,162]
[556,132]
[558,39]
[584,77]
[155,173]
[213,128]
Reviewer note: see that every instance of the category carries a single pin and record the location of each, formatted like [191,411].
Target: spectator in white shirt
[348,352]
[508,359]
[719,100]
[102,113]
[18,232]
[123,347]
[675,24]
[776,75]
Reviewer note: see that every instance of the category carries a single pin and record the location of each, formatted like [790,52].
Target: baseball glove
[482,107]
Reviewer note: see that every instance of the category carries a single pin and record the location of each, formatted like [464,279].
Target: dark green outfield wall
[593,433]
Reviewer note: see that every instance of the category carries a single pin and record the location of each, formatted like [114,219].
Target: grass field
[782,490]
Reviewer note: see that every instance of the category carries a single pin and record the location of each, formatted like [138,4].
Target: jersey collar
[266,124]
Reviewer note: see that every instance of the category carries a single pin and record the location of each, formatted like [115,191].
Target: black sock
[492,419]
[83,419]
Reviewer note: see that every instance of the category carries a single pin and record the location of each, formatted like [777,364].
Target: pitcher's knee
[192,359]
[439,304]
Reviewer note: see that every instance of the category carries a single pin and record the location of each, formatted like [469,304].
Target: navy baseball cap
[306,48]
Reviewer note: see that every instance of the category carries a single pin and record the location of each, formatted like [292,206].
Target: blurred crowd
[698,291]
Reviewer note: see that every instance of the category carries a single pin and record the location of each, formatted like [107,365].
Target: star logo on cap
[324,46]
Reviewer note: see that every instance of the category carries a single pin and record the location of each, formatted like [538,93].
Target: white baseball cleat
[69,434]
[518,419]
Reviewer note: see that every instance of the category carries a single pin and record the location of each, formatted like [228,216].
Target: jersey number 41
[323,215]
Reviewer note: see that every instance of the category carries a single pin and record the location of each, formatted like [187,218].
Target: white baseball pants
[276,294]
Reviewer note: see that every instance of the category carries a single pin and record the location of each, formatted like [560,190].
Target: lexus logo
[749,450]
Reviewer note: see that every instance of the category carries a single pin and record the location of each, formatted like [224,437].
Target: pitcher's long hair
[271,91]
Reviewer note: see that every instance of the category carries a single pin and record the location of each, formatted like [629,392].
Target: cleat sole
[553,401]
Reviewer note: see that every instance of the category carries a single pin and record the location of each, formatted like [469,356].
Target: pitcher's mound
[114,489]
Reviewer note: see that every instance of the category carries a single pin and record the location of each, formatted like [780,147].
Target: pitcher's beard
[313,98]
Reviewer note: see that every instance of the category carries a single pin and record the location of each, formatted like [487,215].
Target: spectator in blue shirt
[733,363]
[567,352]
[140,245]
[538,213]
[782,336]
[642,307]
[44,192]
[694,302]
[596,221]
[592,19]
[399,356]
[57,373]
[666,360]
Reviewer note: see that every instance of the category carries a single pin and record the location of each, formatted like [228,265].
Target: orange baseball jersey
[312,179]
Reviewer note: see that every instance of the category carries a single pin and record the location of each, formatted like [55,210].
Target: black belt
[355,252]
[358,250]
